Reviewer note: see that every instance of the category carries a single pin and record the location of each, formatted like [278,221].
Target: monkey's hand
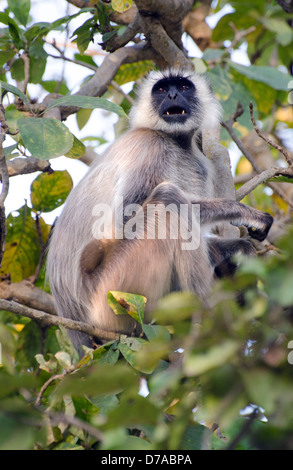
[261,233]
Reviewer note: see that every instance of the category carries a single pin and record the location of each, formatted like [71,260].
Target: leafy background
[232,387]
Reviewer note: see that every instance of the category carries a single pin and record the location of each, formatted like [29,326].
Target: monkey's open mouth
[175,111]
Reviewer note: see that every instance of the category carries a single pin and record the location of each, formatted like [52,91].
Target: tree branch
[260,179]
[104,75]
[25,292]
[163,44]
[23,166]
[268,140]
[119,41]
[45,319]
[57,418]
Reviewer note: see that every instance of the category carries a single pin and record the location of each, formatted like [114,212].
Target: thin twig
[46,385]
[244,430]
[268,248]
[267,139]
[119,89]
[57,418]
[239,34]
[228,125]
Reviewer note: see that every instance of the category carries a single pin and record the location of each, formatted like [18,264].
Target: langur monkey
[105,238]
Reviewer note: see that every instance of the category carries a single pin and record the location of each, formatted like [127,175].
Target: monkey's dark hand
[261,233]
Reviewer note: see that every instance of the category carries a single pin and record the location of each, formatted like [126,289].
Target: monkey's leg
[257,222]
[141,267]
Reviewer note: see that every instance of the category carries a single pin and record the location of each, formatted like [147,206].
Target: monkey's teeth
[168,114]
[183,112]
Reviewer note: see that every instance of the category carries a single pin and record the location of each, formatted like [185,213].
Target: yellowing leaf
[124,303]
[22,248]
[121,5]
[77,150]
[49,191]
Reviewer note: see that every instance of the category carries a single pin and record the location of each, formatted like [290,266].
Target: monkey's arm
[257,222]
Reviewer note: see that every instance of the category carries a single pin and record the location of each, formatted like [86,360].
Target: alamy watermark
[151,221]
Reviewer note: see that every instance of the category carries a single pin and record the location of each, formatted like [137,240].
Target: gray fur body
[145,165]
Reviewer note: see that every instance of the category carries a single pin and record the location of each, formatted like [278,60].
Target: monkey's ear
[92,256]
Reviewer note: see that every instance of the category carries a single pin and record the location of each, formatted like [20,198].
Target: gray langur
[156,164]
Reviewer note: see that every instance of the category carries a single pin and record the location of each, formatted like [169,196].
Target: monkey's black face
[175,99]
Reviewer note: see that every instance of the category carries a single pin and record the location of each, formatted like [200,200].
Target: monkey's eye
[161,90]
[184,87]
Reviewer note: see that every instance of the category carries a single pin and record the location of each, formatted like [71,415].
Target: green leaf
[129,348]
[242,94]
[134,413]
[98,380]
[20,9]
[12,115]
[77,150]
[13,383]
[156,331]
[65,343]
[29,343]
[284,33]
[82,117]
[175,307]
[193,437]
[224,31]
[37,68]
[49,191]
[45,138]
[269,75]
[51,85]
[5,56]
[50,365]
[89,102]
[281,179]
[4,18]
[108,35]
[8,151]
[84,408]
[17,70]
[16,35]
[123,303]
[15,91]
[199,363]
[213,54]
[64,360]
